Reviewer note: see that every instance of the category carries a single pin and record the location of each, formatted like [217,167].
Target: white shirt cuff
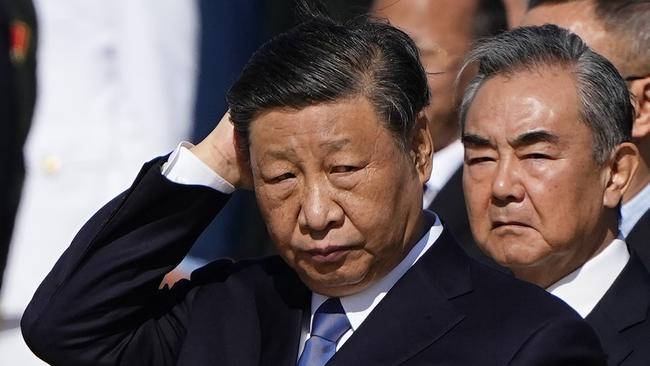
[183,167]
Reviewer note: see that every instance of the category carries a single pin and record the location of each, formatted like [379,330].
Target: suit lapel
[622,306]
[416,311]
[281,321]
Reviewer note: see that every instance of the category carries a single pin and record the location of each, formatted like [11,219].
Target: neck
[642,176]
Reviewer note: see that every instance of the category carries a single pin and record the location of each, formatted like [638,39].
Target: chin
[336,284]
[515,255]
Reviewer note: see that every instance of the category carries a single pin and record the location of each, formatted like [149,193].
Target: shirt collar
[443,166]
[358,306]
[632,211]
[583,288]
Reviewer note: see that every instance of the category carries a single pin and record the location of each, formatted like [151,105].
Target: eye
[536,156]
[343,169]
[478,160]
[282,177]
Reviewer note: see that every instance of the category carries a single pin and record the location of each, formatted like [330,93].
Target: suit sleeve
[566,342]
[101,303]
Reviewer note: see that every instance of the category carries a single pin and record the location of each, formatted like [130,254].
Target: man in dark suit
[617,29]
[327,129]
[548,159]
[17,98]
[444,31]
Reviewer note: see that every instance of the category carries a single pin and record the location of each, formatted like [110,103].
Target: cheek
[477,200]
[280,215]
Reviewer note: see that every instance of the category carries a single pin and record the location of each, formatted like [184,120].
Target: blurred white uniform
[116,88]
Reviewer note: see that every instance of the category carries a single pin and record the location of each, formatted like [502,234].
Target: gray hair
[605,103]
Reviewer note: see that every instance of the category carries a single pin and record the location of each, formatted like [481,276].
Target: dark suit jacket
[449,203]
[621,317]
[638,240]
[101,304]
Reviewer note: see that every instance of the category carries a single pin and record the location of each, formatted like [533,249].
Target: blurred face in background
[580,18]
[442,30]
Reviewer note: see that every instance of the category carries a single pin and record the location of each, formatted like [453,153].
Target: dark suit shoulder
[621,317]
[506,298]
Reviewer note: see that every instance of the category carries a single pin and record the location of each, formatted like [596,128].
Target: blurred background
[89,91]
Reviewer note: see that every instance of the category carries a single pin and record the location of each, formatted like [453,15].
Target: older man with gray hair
[546,126]
[620,31]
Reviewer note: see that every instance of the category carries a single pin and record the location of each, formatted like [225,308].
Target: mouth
[509,224]
[329,254]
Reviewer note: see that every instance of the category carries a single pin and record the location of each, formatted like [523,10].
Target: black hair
[322,61]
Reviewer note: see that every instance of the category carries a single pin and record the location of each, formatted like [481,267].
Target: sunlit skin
[581,19]
[341,199]
[538,201]
[442,30]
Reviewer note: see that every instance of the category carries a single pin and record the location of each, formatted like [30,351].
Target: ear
[422,147]
[641,90]
[621,168]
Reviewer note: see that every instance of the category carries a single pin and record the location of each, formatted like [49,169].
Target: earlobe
[641,90]
[622,166]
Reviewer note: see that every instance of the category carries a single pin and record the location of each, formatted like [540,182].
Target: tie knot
[330,321]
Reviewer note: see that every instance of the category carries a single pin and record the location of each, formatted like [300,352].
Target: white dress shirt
[632,211]
[443,166]
[184,167]
[583,288]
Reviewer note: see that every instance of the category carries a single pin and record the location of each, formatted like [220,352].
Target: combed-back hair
[322,60]
[629,23]
[605,103]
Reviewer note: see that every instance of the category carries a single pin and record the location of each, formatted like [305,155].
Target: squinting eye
[343,169]
[482,159]
[536,156]
[282,177]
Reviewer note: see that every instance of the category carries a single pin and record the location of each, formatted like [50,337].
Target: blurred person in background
[17,97]
[444,31]
[620,31]
[515,10]
[116,85]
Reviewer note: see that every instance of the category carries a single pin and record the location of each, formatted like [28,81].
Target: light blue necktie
[328,326]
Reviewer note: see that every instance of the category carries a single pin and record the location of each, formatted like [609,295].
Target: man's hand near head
[220,151]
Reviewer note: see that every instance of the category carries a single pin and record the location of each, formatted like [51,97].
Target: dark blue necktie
[328,326]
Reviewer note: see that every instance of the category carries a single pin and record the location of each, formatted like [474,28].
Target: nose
[506,186]
[319,211]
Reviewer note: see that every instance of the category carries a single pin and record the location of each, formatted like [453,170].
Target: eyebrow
[335,145]
[525,139]
[281,154]
[473,140]
[534,137]
[331,146]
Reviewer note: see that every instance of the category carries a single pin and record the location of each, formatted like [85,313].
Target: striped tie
[328,326]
